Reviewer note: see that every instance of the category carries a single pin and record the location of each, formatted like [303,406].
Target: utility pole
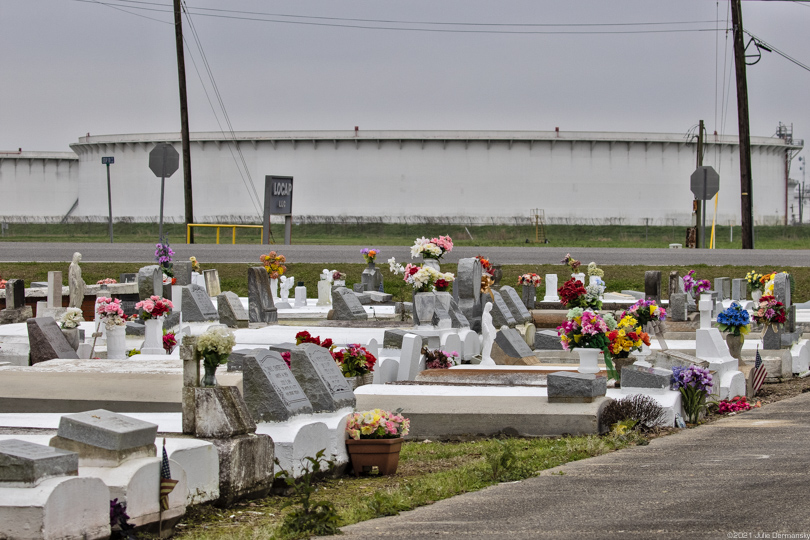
[700,211]
[181,78]
[746,184]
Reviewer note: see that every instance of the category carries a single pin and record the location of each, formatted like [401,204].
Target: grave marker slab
[781,289]
[321,378]
[212,282]
[501,314]
[457,318]
[54,289]
[510,349]
[182,272]
[410,357]
[516,305]
[644,377]
[675,283]
[197,305]
[25,464]
[231,311]
[346,306]
[652,285]
[150,281]
[677,309]
[572,387]
[467,287]
[47,342]
[723,287]
[108,430]
[128,277]
[261,307]
[547,340]
[739,289]
[15,294]
[271,392]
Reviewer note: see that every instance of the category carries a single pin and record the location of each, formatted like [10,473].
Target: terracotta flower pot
[380,453]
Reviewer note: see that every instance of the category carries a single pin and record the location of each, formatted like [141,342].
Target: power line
[760,44]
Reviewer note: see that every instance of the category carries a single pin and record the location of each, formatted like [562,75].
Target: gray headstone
[346,306]
[15,293]
[512,343]
[675,283]
[677,309]
[457,318]
[127,277]
[652,285]
[261,307]
[643,377]
[575,387]
[371,279]
[501,314]
[739,289]
[528,295]
[467,287]
[516,305]
[772,339]
[197,306]
[236,360]
[108,430]
[441,317]
[54,289]
[358,287]
[231,311]
[781,288]
[182,272]
[135,328]
[321,378]
[47,342]
[547,340]
[128,306]
[25,464]
[723,287]
[379,297]
[392,339]
[150,281]
[212,282]
[271,392]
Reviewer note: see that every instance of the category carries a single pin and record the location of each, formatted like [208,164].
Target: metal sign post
[164,162]
[278,191]
[109,160]
[704,183]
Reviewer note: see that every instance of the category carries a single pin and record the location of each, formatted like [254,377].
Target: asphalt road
[247,253]
[740,477]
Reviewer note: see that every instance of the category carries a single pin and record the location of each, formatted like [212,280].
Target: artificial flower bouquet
[338,276]
[195,266]
[443,281]
[572,262]
[694,383]
[627,337]
[574,294]
[163,256]
[646,311]
[106,281]
[433,248]
[215,345]
[695,286]
[753,278]
[274,264]
[71,318]
[377,424]
[586,329]
[110,312]
[734,320]
[735,405]
[421,278]
[594,270]
[439,359]
[369,254]
[530,279]
[154,307]
[169,341]
[770,311]
[486,265]
[355,360]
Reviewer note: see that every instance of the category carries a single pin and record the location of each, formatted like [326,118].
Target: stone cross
[706,305]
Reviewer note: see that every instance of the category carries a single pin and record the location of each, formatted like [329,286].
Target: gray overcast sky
[72,67]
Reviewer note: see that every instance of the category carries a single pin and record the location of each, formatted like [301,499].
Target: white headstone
[410,357]
[551,289]
[54,289]
[324,293]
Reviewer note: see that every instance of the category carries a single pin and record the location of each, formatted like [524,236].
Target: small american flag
[166,482]
[758,374]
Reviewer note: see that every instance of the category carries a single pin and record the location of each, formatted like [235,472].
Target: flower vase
[588,360]
[620,362]
[433,263]
[153,337]
[116,342]
[529,296]
[756,294]
[735,343]
[594,280]
[209,377]
[274,288]
[579,277]
[368,453]
[424,305]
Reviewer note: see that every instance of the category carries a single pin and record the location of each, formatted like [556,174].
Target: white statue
[326,275]
[488,333]
[75,282]
[286,284]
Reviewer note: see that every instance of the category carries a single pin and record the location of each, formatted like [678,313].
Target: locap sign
[278,191]
[704,183]
[164,160]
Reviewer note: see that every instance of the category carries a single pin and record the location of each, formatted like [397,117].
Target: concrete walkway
[739,477]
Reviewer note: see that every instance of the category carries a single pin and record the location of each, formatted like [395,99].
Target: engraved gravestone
[25,464]
[231,311]
[212,282]
[271,392]
[457,318]
[15,294]
[723,287]
[346,306]
[320,378]
[150,281]
[197,305]
[47,342]
[128,277]
[108,430]
[261,308]
[739,289]
[675,283]
[501,315]
[182,272]
[652,285]
[468,285]
[515,304]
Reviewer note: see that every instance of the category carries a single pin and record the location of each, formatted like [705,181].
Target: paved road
[747,474]
[245,253]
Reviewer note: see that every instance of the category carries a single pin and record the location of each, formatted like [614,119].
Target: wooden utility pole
[181,78]
[746,184]
[700,212]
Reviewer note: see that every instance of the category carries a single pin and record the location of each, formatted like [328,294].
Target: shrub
[643,409]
